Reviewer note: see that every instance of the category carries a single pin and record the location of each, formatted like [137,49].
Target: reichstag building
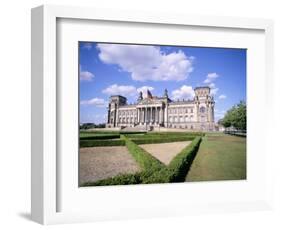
[153,111]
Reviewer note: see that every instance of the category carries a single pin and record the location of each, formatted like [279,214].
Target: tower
[204,107]
[114,103]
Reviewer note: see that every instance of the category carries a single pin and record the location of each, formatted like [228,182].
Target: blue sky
[107,69]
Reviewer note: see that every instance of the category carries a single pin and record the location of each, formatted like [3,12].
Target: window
[191,110]
[202,109]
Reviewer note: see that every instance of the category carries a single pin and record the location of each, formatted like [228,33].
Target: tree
[236,117]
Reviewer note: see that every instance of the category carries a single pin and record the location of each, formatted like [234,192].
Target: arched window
[202,109]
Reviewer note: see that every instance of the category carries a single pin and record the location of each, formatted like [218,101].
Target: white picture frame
[46,182]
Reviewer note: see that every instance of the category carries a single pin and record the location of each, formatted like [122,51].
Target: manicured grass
[220,157]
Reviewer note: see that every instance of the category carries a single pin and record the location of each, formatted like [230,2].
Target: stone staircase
[135,128]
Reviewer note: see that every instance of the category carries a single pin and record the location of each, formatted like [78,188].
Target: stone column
[213,113]
[155,110]
[145,114]
[207,112]
[157,115]
[150,115]
[160,115]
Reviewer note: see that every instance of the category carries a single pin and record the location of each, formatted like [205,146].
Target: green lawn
[220,157]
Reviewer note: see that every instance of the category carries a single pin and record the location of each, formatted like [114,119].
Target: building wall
[197,114]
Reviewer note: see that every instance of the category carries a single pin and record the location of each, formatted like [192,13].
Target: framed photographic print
[138,114]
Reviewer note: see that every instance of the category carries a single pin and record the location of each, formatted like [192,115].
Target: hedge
[133,132]
[100,137]
[96,143]
[162,140]
[124,179]
[146,161]
[178,167]
[153,171]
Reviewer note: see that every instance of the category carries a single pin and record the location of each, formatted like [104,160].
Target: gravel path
[98,163]
[165,152]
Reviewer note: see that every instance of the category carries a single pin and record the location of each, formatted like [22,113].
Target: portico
[150,114]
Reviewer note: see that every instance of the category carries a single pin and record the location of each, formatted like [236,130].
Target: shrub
[153,170]
[96,143]
[178,167]
[123,179]
[153,140]
[99,136]
[146,161]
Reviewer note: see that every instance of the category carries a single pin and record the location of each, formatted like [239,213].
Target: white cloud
[214,89]
[222,96]
[144,89]
[86,76]
[98,102]
[87,46]
[211,77]
[147,62]
[185,92]
[124,90]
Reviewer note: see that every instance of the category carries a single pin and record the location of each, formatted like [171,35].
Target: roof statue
[140,96]
[165,93]
[149,95]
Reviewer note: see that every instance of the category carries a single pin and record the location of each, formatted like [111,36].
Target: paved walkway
[165,152]
[97,163]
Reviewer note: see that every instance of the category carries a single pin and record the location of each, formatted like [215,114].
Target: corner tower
[205,107]
[114,102]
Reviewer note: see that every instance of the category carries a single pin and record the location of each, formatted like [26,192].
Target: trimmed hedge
[146,161]
[96,143]
[178,167]
[100,136]
[153,171]
[133,132]
[123,179]
[162,140]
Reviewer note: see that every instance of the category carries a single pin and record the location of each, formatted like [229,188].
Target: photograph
[152,114]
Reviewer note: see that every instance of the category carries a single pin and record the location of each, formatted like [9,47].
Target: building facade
[153,111]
